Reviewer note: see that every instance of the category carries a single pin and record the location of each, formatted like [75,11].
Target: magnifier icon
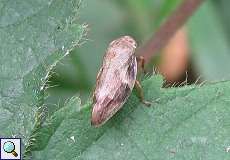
[9,147]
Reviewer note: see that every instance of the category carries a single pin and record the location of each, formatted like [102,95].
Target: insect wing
[117,92]
[115,79]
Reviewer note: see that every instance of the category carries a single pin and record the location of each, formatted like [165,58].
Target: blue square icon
[10,148]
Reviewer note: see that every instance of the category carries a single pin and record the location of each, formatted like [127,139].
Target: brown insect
[115,80]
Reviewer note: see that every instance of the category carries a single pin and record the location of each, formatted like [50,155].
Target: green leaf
[135,18]
[77,74]
[191,122]
[209,44]
[35,35]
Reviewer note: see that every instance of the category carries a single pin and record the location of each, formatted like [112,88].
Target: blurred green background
[208,34]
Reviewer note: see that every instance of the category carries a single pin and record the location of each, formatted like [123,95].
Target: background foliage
[190,122]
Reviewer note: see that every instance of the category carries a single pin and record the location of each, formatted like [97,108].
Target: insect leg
[141,63]
[141,94]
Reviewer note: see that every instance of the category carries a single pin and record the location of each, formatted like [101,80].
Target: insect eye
[133,43]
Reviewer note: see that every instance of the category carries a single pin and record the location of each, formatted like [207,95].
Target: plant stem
[175,21]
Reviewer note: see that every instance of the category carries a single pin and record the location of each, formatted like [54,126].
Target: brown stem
[168,28]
